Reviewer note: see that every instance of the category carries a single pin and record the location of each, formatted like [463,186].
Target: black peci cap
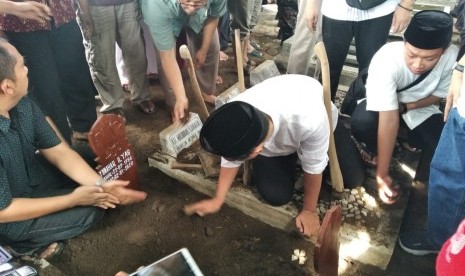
[429,29]
[234,129]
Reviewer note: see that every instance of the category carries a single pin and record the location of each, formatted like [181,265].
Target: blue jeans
[446,195]
[224,31]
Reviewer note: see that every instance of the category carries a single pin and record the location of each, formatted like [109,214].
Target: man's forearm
[407,4]
[387,134]
[312,186]
[225,180]
[8,7]
[313,5]
[209,29]
[22,209]
[430,100]
[172,73]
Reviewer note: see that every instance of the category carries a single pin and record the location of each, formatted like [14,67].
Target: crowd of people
[55,57]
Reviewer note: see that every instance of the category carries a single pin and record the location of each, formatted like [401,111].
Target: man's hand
[124,195]
[388,192]
[199,59]
[32,10]
[312,14]
[400,20]
[308,223]
[181,110]
[93,195]
[203,207]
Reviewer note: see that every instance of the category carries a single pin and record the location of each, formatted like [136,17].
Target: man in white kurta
[291,123]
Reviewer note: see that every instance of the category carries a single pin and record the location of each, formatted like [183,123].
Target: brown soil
[227,243]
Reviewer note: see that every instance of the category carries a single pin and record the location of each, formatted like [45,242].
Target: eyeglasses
[193,4]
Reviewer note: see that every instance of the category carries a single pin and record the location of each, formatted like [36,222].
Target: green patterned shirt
[21,136]
[166,19]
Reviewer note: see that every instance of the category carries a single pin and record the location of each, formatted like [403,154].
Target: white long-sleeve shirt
[295,105]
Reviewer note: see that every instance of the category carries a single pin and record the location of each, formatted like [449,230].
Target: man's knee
[276,199]
[364,124]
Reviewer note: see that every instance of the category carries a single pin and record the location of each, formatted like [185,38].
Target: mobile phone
[179,263]
[4,256]
[20,271]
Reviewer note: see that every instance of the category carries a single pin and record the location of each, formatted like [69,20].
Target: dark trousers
[59,78]
[425,136]
[275,177]
[240,16]
[224,30]
[369,36]
[58,226]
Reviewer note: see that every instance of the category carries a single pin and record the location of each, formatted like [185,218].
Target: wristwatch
[458,67]
[403,108]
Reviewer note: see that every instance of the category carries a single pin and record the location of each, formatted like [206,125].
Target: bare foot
[208,98]
[52,250]
[223,56]
[219,79]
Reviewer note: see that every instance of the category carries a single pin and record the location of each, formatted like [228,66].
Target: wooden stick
[176,165]
[336,176]
[186,55]
[239,60]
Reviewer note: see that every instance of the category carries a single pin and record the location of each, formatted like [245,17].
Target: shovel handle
[186,55]
[335,170]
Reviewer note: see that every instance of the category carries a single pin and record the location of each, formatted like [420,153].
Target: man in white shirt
[446,201]
[395,97]
[273,123]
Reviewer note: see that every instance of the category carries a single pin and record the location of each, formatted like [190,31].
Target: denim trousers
[446,195]
[57,226]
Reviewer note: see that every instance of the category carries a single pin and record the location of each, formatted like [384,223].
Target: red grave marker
[326,254]
[108,140]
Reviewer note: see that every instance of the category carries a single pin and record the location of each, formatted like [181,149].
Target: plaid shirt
[62,11]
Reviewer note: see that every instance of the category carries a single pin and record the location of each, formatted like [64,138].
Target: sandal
[152,76]
[394,190]
[255,53]
[146,106]
[47,252]
[51,251]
